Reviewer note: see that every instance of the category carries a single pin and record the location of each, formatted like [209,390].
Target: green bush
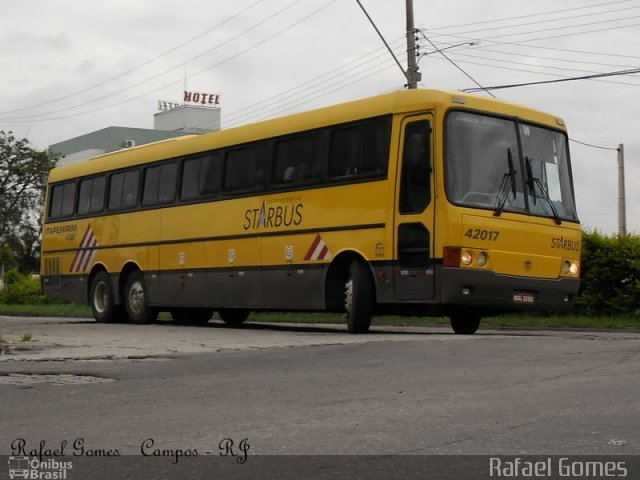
[20,289]
[610,276]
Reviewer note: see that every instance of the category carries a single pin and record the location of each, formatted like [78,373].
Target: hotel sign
[202,98]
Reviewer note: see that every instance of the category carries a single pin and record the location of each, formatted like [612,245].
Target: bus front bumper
[486,289]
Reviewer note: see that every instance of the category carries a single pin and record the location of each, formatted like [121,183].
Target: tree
[23,178]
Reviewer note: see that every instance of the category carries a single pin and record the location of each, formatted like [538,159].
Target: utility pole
[413,76]
[622,215]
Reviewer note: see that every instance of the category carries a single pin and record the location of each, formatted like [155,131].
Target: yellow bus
[417,202]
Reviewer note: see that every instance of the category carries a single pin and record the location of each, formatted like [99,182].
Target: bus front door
[414,212]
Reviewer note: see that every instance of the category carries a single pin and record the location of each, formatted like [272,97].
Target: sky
[71,67]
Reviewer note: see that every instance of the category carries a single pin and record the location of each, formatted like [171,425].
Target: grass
[512,321]
[60,310]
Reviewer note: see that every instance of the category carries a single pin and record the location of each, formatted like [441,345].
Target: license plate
[524,297]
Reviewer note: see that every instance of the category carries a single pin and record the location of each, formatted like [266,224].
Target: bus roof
[404,101]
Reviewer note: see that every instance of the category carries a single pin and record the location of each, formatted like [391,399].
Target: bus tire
[465,324]
[191,316]
[101,298]
[233,317]
[358,298]
[135,300]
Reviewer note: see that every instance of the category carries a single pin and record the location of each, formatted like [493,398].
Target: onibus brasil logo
[33,468]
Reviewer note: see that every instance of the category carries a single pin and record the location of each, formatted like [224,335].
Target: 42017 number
[479,234]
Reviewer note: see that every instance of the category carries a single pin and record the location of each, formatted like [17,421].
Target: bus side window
[91,198]
[160,184]
[115,191]
[201,177]
[300,159]
[130,189]
[55,206]
[360,150]
[63,200]
[246,168]
[123,190]
[190,179]
[415,183]
[210,174]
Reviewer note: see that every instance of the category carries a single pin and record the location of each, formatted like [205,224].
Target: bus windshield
[485,168]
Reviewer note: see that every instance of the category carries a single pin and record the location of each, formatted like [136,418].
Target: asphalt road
[315,390]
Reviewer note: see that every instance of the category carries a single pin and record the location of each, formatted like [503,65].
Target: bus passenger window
[123,190]
[210,174]
[300,160]
[130,189]
[190,179]
[361,150]
[91,198]
[63,200]
[168,176]
[245,168]
[160,184]
[201,177]
[115,191]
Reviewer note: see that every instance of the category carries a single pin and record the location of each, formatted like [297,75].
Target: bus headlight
[466,257]
[482,259]
[570,267]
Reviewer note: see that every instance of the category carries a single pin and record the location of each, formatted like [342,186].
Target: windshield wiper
[532,182]
[509,179]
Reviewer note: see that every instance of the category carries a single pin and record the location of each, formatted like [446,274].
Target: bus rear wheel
[233,317]
[136,300]
[358,298]
[102,300]
[465,324]
[191,316]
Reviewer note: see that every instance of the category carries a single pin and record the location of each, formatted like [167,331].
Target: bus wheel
[233,316]
[465,324]
[101,298]
[135,300]
[191,316]
[358,298]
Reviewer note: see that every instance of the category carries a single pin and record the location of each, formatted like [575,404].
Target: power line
[546,21]
[487,39]
[592,145]
[526,42]
[237,54]
[510,62]
[564,27]
[530,15]
[543,82]
[148,79]
[455,64]
[383,39]
[307,96]
[304,87]
[513,69]
[554,59]
[363,76]
[137,67]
